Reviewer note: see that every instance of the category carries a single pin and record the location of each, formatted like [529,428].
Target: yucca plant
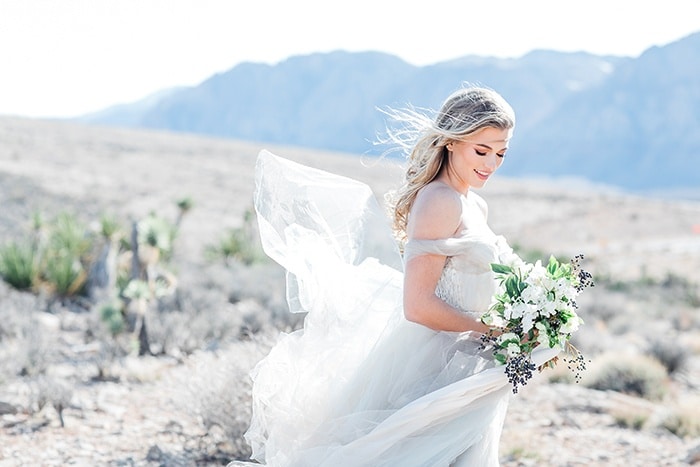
[111,315]
[69,235]
[109,227]
[184,206]
[66,255]
[156,233]
[19,265]
[239,244]
[65,274]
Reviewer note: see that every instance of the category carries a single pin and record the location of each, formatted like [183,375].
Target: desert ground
[190,407]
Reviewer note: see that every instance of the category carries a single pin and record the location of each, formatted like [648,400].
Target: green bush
[239,244]
[66,256]
[65,275]
[18,265]
[236,245]
[111,315]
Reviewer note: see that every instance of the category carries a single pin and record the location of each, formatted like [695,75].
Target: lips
[482,175]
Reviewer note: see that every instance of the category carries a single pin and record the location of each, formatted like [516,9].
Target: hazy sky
[69,57]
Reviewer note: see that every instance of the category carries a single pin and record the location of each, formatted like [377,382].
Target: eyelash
[483,154]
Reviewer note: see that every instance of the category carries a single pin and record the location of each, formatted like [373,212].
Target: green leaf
[512,286]
[500,358]
[501,268]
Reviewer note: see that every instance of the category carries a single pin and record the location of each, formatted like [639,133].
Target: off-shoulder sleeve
[478,248]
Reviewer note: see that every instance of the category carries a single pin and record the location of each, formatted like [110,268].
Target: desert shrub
[638,375]
[50,391]
[218,391]
[18,324]
[18,264]
[683,420]
[33,348]
[681,287]
[240,244]
[631,418]
[670,353]
[265,284]
[179,333]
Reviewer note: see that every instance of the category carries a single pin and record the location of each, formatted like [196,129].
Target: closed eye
[479,153]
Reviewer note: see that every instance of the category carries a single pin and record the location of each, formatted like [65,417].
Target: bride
[388,369]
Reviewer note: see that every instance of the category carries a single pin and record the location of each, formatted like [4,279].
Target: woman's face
[473,160]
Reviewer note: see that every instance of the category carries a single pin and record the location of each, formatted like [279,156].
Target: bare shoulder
[481,202]
[436,212]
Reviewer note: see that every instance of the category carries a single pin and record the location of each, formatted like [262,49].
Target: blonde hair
[424,140]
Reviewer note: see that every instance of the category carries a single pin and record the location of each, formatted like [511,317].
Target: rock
[693,456]
[7,409]
[155,454]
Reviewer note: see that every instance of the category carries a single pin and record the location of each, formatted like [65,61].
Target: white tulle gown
[360,385]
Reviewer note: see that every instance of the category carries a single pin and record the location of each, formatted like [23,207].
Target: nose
[492,161]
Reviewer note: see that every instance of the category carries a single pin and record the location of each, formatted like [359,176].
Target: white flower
[531,294]
[563,288]
[536,273]
[513,349]
[548,308]
[507,337]
[528,321]
[543,338]
[571,325]
[514,310]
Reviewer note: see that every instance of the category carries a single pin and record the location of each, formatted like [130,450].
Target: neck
[454,181]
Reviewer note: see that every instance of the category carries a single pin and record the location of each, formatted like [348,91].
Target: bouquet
[535,305]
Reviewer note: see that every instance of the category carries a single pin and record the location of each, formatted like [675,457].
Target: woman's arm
[422,306]
[436,213]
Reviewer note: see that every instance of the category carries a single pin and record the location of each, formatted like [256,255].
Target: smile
[481,174]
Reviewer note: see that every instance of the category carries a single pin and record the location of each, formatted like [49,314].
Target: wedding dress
[360,385]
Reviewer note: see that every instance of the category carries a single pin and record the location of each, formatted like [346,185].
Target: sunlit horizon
[75,57]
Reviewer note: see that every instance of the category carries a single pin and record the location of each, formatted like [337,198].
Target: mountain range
[627,122]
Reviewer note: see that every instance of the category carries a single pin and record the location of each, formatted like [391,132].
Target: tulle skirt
[359,385]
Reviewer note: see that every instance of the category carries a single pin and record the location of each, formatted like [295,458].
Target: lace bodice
[467,281]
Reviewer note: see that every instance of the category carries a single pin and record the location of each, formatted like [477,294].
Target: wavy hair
[424,140]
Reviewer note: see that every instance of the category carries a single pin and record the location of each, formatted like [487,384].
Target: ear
[449,146]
